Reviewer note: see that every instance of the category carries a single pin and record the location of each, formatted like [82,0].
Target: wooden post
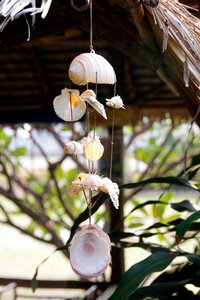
[116,215]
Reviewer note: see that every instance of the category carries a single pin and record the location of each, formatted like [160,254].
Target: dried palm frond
[13,9]
[183,29]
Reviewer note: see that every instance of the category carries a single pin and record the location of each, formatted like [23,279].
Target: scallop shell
[91,67]
[73,147]
[115,102]
[90,97]
[90,252]
[69,106]
[94,149]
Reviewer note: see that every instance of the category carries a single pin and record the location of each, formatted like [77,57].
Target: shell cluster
[71,106]
[96,183]
[92,148]
[90,251]
[90,247]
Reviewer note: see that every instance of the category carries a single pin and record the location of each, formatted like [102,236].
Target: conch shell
[115,102]
[91,67]
[90,97]
[90,251]
[69,106]
[73,147]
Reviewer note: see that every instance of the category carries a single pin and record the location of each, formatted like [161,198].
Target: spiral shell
[73,147]
[69,106]
[94,149]
[115,102]
[90,97]
[91,67]
[90,252]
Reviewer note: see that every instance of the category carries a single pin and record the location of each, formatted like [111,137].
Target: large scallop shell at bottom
[90,252]
[69,106]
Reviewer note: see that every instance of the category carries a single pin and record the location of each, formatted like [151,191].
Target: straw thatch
[154,46]
[181,33]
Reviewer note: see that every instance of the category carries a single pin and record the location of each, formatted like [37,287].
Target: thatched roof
[131,34]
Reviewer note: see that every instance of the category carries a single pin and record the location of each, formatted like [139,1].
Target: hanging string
[73,131]
[112,138]
[91,170]
[95,119]
[90,207]
[91,28]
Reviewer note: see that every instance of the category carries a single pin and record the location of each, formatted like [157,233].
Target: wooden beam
[55,284]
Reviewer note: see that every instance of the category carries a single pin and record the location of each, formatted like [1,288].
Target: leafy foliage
[159,222]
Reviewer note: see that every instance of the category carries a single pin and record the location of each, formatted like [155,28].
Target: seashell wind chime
[90,247]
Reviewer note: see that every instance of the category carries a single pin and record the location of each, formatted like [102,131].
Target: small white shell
[91,181]
[90,252]
[73,147]
[115,102]
[91,67]
[90,97]
[112,189]
[94,149]
[69,106]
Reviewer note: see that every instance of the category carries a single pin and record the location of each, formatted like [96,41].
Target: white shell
[91,67]
[90,181]
[90,97]
[94,149]
[90,252]
[97,183]
[115,102]
[73,147]
[112,189]
[69,106]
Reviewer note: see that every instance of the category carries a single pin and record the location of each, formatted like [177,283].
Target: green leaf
[194,167]
[59,172]
[149,202]
[169,180]
[185,224]
[157,291]
[184,205]
[5,139]
[19,151]
[138,272]
[34,282]
[194,258]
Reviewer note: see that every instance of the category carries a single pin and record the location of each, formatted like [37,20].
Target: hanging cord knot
[80,5]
